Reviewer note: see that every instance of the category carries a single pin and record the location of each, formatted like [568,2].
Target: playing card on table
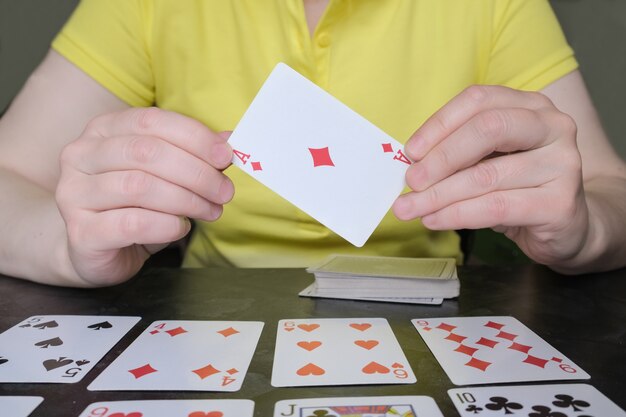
[18,406]
[184,356]
[171,408]
[484,350]
[58,348]
[320,155]
[338,352]
[398,406]
[563,400]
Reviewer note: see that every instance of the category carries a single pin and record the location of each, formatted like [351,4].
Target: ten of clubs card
[338,352]
[320,155]
[563,400]
[58,349]
[184,356]
[484,350]
[399,406]
[173,408]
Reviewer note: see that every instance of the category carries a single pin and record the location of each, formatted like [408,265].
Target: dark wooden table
[583,317]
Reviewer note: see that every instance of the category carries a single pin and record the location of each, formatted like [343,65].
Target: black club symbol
[501,403]
[543,411]
[473,409]
[567,401]
[321,413]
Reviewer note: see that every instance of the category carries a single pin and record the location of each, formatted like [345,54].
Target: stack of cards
[378,278]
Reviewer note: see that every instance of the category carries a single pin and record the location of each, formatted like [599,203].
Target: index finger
[465,106]
[182,131]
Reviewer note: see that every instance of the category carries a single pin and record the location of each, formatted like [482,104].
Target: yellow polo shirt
[393,61]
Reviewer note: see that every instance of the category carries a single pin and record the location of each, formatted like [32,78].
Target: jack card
[59,349]
[398,406]
[320,155]
[184,356]
[494,349]
[355,351]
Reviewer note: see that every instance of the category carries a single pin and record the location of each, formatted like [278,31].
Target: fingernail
[414,147]
[402,208]
[226,191]
[186,224]
[216,211]
[221,154]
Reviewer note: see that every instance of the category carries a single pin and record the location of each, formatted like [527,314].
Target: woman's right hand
[130,182]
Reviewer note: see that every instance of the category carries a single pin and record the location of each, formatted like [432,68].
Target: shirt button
[323,40]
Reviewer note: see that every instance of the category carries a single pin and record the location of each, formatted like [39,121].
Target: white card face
[184,356]
[563,400]
[399,406]
[338,352]
[174,408]
[18,406]
[58,349]
[494,349]
[320,155]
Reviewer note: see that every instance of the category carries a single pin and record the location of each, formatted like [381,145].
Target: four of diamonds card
[184,356]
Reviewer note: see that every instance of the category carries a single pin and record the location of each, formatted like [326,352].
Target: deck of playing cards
[381,278]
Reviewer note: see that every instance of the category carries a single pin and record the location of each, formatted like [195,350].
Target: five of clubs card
[60,349]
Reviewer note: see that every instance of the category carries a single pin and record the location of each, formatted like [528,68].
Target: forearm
[33,243]
[605,246]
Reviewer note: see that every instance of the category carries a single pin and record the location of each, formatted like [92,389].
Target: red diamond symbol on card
[228,332]
[154,332]
[142,371]
[506,335]
[533,360]
[387,147]
[555,359]
[494,325]
[176,331]
[445,326]
[520,348]
[206,371]
[232,371]
[478,364]
[466,350]
[256,166]
[455,337]
[321,157]
[487,342]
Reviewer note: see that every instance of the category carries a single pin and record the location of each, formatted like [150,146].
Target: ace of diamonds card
[493,349]
[338,352]
[184,356]
[320,155]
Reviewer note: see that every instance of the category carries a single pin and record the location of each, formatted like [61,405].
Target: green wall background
[595,28]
